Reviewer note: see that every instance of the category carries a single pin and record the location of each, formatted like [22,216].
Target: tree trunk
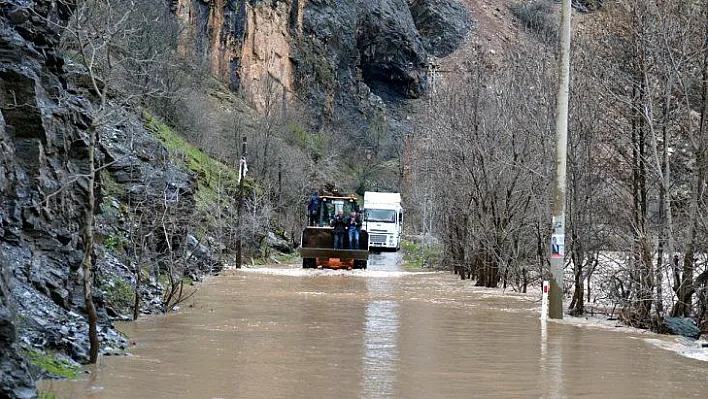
[136,303]
[664,222]
[642,262]
[577,306]
[88,237]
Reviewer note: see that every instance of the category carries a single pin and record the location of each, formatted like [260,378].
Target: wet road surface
[379,333]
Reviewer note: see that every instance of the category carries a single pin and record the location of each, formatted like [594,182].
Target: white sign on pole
[544,301]
[242,169]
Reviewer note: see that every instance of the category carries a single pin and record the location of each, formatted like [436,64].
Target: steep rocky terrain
[45,103]
[38,144]
[330,51]
[15,380]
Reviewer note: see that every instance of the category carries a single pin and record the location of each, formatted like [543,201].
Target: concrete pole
[559,187]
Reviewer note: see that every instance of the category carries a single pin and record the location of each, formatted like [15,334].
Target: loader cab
[330,205]
[317,242]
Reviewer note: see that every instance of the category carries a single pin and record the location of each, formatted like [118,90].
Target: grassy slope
[213,176]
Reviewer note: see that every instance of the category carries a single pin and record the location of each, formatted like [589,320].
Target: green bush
[119,294]
[417,255]
[115,243]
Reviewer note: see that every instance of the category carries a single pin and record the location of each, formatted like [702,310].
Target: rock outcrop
[443,24]
[325,48]
[244,42]
[45,108]
[35,138]
[15,380]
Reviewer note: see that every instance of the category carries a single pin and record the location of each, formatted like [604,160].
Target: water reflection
[380,340]
[380,349]
[551,362]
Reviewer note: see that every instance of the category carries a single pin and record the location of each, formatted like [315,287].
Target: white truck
[383,219]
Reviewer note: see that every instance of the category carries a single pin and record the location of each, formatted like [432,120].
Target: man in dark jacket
[339,228]
[313,208]
[353,226]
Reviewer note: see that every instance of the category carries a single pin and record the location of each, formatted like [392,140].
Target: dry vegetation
[481,164]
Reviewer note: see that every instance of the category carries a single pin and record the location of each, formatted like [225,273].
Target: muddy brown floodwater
[293,333]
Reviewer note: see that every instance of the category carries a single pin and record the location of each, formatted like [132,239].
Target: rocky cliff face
[15,380]
[45,103]
[243,42]
[31,138]
[324,48]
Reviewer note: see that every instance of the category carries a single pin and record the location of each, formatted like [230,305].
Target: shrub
[115,243]
[539,16]
[417,255]
[119,293]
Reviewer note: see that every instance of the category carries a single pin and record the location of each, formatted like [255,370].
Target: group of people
[350,225]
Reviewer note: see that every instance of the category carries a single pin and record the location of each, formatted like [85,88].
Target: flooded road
[380,333]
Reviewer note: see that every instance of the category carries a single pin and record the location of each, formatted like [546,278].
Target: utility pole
[241,177]
[559,187]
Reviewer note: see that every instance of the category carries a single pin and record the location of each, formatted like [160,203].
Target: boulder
[682,326]
[200,256]
[279,243]
[443,24]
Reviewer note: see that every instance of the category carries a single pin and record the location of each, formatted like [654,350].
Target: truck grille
[377,238]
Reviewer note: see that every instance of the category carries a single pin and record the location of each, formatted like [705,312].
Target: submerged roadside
[385,331]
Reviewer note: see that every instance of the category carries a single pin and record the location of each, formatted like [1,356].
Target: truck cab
[383,219]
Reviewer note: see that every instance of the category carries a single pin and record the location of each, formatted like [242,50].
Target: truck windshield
[381,215]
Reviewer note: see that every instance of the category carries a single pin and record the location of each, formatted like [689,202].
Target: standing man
[313,208]
[353,226]
[340,227]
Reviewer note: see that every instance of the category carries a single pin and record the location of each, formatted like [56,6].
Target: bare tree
[488,157]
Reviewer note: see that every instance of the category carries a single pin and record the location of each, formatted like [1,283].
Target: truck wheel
[360,264]
[308,263]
